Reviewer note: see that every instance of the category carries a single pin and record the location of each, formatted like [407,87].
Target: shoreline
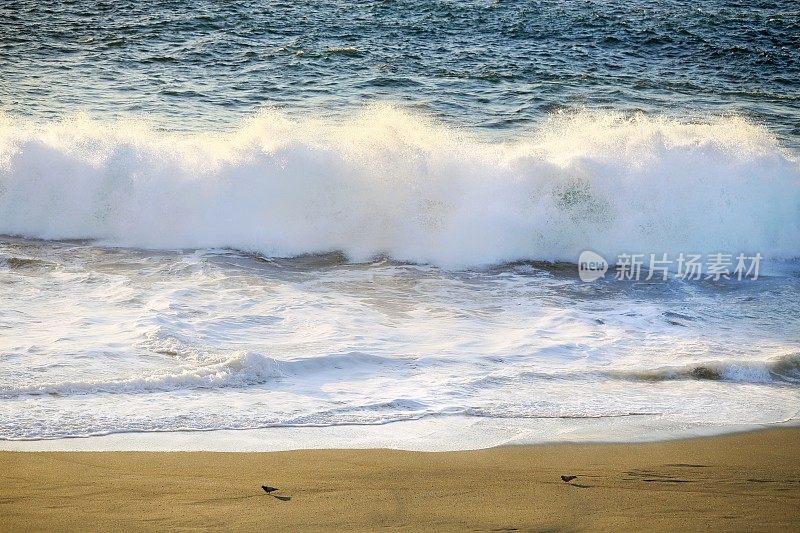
[430,434]
[748,480]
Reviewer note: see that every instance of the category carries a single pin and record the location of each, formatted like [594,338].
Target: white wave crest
[391,183]
[237,370]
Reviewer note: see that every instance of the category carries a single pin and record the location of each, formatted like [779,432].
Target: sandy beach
[735,482]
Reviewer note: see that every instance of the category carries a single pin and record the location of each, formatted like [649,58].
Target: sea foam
[390,183]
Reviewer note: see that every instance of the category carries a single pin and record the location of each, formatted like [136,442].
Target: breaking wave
[389,183]
[235,371]
[784,369]
[248,369]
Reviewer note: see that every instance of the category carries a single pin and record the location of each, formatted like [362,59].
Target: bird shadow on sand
[228,499]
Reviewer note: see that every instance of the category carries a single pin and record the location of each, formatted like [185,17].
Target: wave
[250,369]
[393,184]
[783,369]
[780,370]
[236,371]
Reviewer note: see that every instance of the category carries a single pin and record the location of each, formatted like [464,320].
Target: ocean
[311,224]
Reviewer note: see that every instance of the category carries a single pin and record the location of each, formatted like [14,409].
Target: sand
[745,481]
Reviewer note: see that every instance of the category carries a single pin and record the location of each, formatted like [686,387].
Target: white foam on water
[386,182]
[111,342]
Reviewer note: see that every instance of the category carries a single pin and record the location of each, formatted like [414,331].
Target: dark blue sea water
[498,65]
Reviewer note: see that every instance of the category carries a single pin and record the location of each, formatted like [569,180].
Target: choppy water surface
[497,65]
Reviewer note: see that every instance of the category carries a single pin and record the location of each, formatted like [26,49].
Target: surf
[389,183]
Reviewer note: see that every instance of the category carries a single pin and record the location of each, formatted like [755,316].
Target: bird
[567,479]
[268,489]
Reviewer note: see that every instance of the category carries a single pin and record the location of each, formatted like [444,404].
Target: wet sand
[745,481]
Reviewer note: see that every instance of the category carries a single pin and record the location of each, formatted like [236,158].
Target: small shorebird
[567,479]
[268,489]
